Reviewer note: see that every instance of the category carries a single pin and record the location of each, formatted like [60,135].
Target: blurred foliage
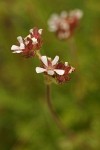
[25,122]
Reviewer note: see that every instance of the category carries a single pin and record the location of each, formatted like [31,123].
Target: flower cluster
[64,24]
[30,44]
[57,70]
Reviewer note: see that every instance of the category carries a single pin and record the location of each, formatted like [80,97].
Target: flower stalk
[52,110]
[38,55]
[67,132]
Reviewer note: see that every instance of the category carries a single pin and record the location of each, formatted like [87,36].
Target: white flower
[66,64]
[18,49]
[53,22]
[64,35]
[64,14]
[40,31]
[49,66]
[71,70]
[77,12]
[34,40]
[64,25]
[31,30]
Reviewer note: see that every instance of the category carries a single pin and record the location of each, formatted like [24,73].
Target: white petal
[17,51]
[49,58]
[28,36]
[79,13]
[66,63]
[71,70]
[40,31]
[20,39]
[40,70]
[14,47]
[22,46]
[56,59]
[53,22]
[54,17]
[65,35]
[65,25]
[34,40]
[50,72]
[64,14]
[52,28]
[26,42]
[59,71]
[44,60]
[31,30]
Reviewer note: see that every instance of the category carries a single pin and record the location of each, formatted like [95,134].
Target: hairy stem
[52,111]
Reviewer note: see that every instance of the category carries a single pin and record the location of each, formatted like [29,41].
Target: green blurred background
[25,121]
